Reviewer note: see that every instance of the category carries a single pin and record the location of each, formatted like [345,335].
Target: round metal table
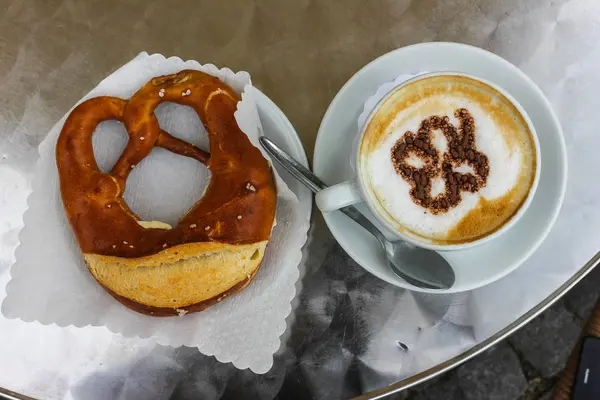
[299,53]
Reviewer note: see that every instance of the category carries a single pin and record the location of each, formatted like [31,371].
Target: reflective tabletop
[299,53]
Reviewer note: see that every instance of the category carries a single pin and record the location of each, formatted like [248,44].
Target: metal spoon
[420,267]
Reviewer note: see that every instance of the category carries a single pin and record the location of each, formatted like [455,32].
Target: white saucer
[278,128]
[474,267]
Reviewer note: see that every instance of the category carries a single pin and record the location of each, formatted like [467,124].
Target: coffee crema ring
[178,266]
[461,150]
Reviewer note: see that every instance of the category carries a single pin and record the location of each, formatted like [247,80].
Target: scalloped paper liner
[50,282]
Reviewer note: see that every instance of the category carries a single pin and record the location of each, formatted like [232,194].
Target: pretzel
[216,247]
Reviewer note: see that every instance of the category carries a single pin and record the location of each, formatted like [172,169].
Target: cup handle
[338,196]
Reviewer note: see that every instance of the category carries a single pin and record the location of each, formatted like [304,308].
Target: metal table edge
[455,361]
[487,343]
[10,395]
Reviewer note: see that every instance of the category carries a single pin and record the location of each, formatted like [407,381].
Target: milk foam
[508,147]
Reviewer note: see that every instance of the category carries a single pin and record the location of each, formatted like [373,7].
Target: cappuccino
[447,159]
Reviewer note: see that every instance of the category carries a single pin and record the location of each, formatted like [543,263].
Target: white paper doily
[50,282]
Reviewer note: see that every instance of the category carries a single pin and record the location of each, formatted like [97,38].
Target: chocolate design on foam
[461,150]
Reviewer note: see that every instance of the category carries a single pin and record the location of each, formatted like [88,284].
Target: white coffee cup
[356,191]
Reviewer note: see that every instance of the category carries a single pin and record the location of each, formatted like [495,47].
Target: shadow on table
[339,307]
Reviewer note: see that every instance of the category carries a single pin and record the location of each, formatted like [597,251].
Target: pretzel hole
[108,142]
[165,185]
[183,123]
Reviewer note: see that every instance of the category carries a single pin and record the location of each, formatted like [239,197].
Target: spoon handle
[360,219]
[292,166]
[313,183]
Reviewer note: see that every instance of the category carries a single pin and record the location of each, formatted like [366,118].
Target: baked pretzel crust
[237,208]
